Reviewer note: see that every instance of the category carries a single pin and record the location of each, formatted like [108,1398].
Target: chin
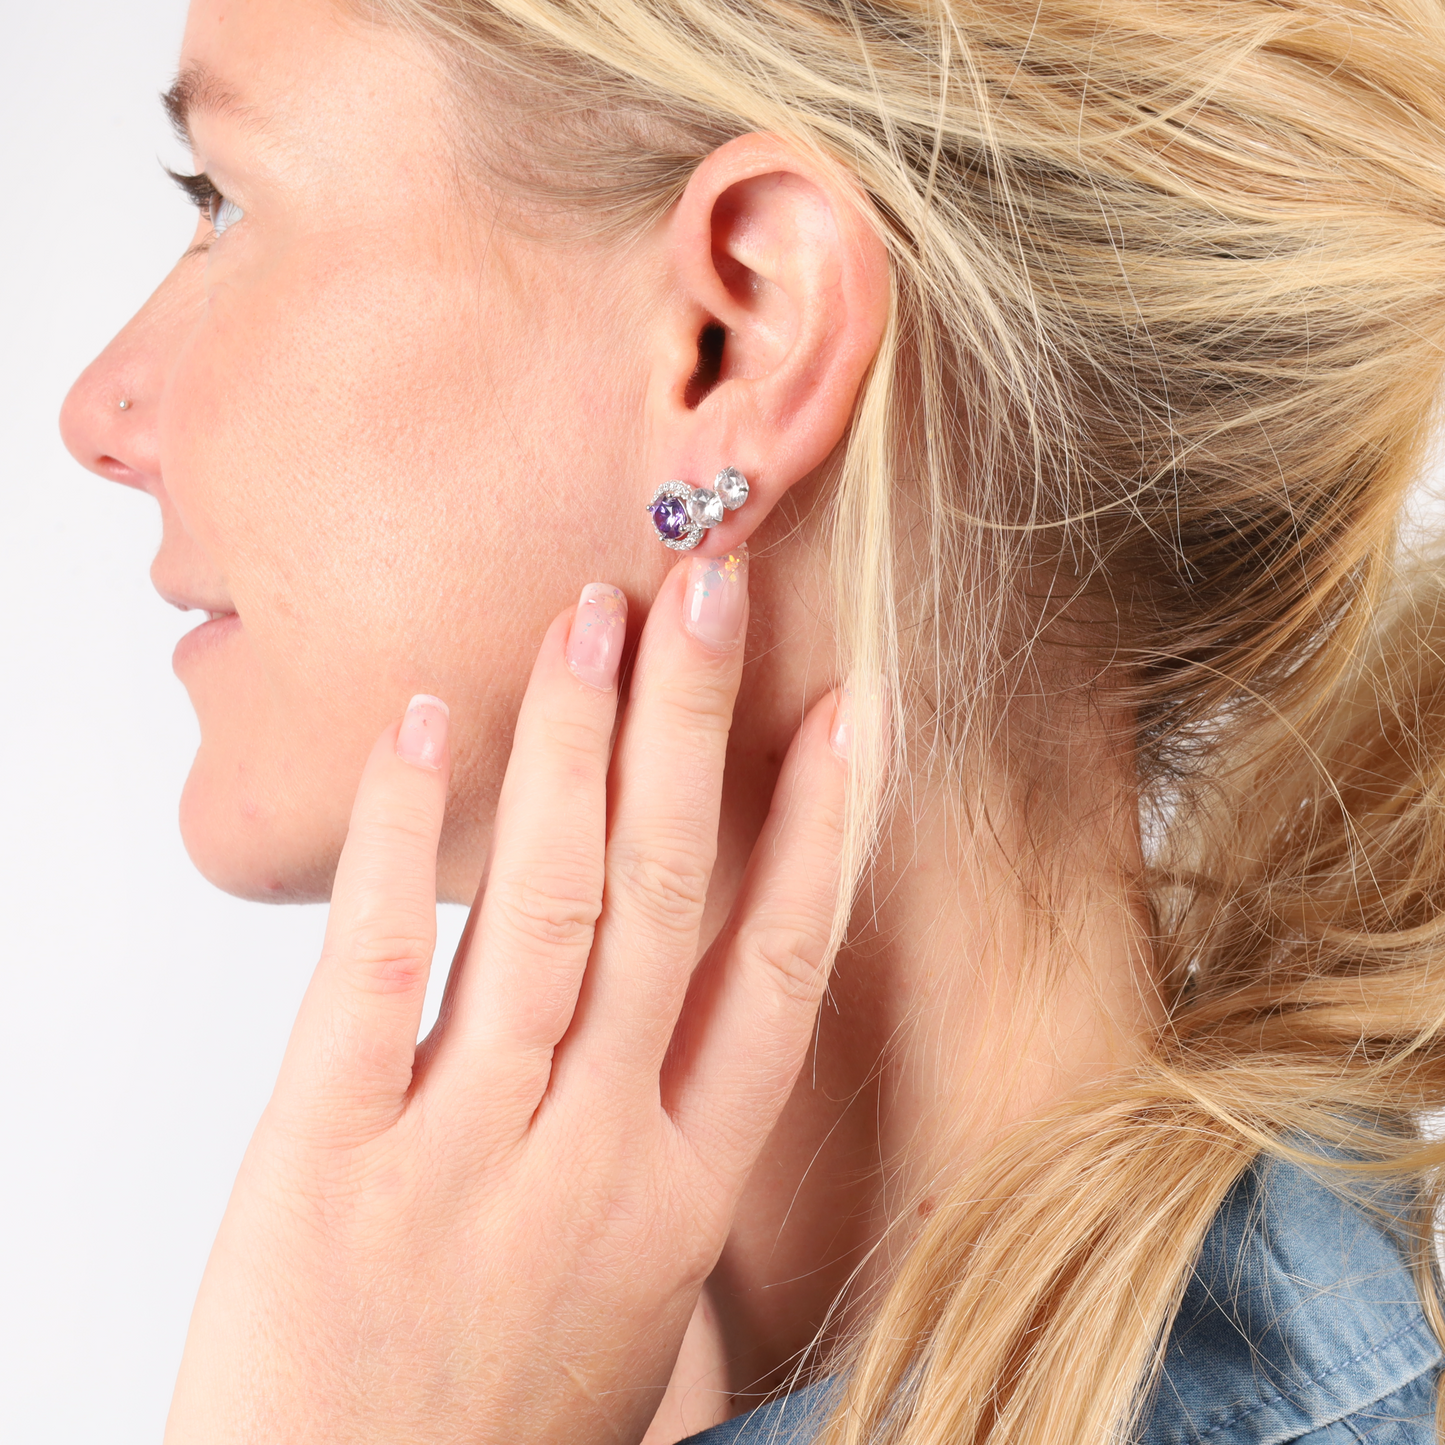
[267,850]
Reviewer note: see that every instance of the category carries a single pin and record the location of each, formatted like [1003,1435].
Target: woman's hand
[501,1234]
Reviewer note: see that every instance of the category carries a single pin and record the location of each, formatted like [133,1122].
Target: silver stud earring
[682,513]
[124,404]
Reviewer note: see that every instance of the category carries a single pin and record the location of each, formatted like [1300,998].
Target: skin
[391,432]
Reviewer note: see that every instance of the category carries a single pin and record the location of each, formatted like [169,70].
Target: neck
[971,995]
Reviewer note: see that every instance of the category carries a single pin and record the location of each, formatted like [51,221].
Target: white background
[142,1013]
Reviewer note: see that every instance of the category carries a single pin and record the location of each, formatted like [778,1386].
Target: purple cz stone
[669,516]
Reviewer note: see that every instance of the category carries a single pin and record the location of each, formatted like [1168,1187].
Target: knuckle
[696,1254]
[672,882]
[556,913]
[718,1141]
[699,701]
[390,956]
[396,825]
[791,956]
[577,741]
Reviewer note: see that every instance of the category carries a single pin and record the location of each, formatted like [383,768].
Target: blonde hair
[1185,265]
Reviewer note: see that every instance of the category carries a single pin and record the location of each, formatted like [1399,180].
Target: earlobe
[780,298]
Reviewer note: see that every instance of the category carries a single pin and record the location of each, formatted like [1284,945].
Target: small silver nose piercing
[125,404]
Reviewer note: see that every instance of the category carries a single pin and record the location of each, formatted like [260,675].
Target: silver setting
[705,507]
[694,532]
[732,488]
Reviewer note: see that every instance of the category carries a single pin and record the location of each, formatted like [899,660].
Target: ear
[781,294]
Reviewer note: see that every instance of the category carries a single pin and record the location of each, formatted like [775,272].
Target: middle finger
[664,793]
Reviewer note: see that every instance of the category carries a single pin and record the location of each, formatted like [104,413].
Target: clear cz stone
[732,488]
[705,507]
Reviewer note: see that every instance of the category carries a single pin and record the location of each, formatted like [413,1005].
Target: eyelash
[201,191]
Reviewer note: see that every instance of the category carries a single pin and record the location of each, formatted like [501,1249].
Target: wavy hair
[1168,305]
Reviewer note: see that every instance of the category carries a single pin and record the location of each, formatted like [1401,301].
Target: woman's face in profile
[390,437]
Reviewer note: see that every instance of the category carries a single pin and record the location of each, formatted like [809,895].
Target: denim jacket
[1301,1324]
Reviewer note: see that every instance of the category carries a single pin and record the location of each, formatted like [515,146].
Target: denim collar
[1301,1313]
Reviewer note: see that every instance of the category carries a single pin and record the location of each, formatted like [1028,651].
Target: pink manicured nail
[842,738]
[715,601]
[599,628]
[423,736]
[859,708]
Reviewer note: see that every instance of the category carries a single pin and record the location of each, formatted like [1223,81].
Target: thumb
[349,1061]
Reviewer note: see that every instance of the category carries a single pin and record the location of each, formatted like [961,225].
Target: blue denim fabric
[1301,1324]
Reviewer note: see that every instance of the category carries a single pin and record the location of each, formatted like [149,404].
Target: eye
[224,213]
[201,191]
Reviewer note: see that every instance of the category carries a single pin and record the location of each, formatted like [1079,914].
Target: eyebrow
[197,89]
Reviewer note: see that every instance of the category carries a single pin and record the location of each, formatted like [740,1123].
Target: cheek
[374,460]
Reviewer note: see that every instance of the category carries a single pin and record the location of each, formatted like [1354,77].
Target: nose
[108,420]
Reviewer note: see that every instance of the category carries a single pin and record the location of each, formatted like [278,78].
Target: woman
[1063,371]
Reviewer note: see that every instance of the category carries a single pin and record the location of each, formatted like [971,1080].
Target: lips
[205,641]
[213,605]
[221,623]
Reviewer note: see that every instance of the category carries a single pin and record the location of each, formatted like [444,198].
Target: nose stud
[682,513]
[125,403]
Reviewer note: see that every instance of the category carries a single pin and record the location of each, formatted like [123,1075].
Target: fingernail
[423,735]
[842,738]
[599,628]
[860,704]
[714,604]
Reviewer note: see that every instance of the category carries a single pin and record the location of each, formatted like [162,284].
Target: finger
[530,940]
[750,1012]
[666,783]
[348,1063]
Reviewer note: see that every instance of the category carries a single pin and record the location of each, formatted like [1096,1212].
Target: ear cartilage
[682,513]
